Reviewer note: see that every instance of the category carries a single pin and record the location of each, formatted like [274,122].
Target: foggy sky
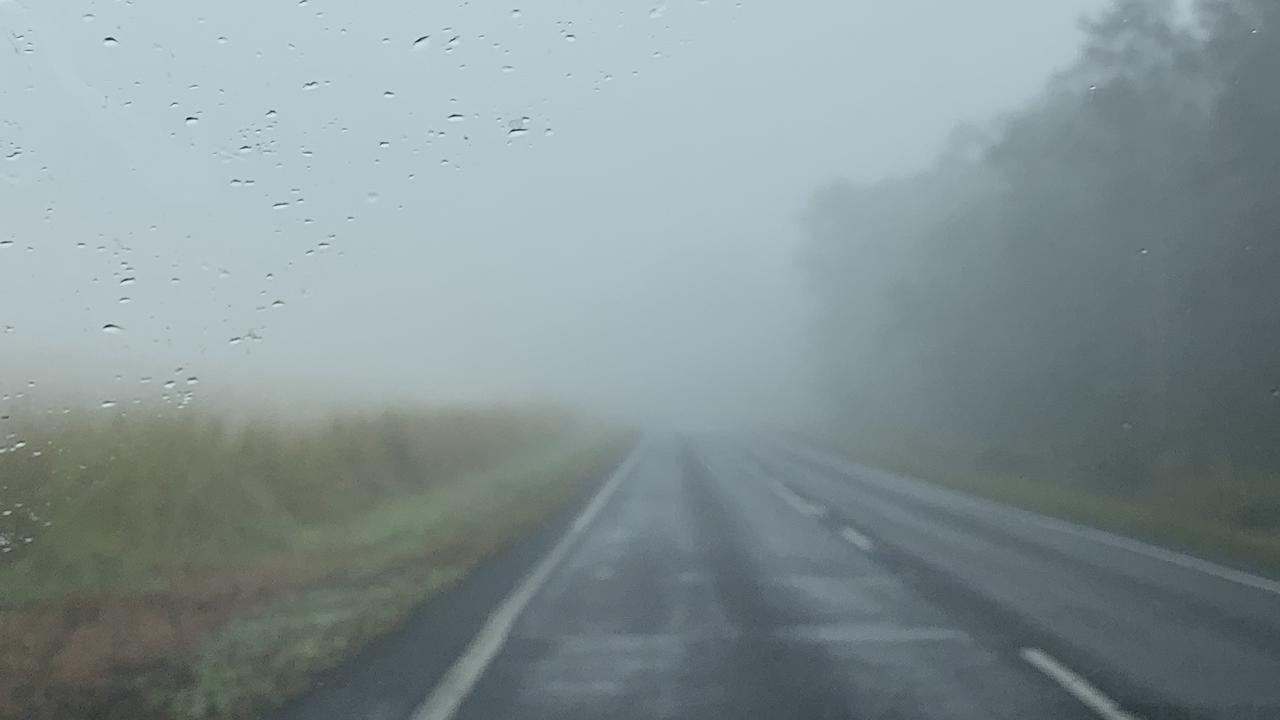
[631,249]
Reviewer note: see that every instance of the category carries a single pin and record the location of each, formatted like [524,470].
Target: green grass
[1200,514]
[263,553]
[271,654]
[264,657]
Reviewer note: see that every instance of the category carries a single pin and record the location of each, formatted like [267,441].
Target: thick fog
[321,201]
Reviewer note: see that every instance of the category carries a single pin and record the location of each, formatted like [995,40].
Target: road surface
[716,578]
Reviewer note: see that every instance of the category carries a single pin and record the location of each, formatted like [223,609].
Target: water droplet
[125,300]
[507,68]
[191,120]
[421,43]
[570,37]
[388,94]
[235,182]
[88,17]
[280,206]
[112,329]
[109,403]
[455,117]
[515,14]
[110,42]
[277,304]
[271,114]
[311,85]
[516,132]
[1142,251]
[193,380]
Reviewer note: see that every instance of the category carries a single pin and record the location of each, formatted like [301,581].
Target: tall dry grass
[128,502]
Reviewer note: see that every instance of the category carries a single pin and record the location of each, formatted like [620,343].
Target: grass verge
[1207,516]
[182,569]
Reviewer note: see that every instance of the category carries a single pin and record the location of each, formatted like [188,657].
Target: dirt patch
[96,659]
[110,659]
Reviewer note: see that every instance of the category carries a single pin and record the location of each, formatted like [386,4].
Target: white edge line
[857,539]
[461,677]
[1090,696]
[1155,552]
[802,506]
[1191,562]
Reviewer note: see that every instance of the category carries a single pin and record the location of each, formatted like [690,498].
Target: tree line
[1092,280]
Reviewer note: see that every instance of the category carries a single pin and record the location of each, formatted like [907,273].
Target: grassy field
[180,567]
[1232,514]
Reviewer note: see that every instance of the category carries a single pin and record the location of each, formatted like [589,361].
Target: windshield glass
[667,359]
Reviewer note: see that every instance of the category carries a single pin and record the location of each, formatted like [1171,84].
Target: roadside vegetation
[1225,517]
[180,566]
[1075,307]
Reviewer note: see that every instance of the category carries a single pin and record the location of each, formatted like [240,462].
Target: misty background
[318,202]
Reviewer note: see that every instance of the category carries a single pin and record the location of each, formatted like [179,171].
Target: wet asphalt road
[717,578]
[698,592]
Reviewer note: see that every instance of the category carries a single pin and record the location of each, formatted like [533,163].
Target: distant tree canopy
[1096,277]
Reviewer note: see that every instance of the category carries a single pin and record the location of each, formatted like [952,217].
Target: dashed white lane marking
[457,682]
[857,539]
[802,506]
[1090,696]
[925,491]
